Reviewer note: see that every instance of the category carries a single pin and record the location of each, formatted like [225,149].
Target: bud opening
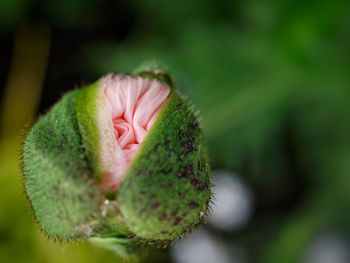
[130,107]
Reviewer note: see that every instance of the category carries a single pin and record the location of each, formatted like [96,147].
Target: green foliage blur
[270,78]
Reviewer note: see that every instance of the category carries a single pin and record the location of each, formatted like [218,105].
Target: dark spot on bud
[194,125]
[179,105]
[168,185]
[185,171]
[63,141]
[81,198]
[142,211]
[200,165]
[162,216]
[193,204]
[175,211]
[56,188]
[165,143]
[197,184]
[181,134]
[188,146]
[127,184]
[166,170]
[177,221]
[180,194]
[91,195]
[154,205]
[140,172]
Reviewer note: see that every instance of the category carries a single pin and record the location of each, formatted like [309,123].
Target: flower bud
[119,162]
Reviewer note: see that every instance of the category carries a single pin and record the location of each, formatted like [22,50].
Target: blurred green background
[270,78]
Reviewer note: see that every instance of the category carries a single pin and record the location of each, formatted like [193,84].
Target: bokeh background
[271,79]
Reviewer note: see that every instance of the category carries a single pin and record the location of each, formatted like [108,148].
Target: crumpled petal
[135,103]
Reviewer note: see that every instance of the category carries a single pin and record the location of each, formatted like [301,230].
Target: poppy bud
[119,162]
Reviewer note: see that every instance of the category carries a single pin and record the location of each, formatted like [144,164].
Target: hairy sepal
[167,189]
[58,179]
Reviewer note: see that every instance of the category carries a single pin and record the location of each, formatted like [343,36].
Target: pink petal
[135,104]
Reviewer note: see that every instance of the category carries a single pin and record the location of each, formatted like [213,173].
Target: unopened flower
[119,162]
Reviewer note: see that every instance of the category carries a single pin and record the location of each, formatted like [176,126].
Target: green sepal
[58,179]
[166,192]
